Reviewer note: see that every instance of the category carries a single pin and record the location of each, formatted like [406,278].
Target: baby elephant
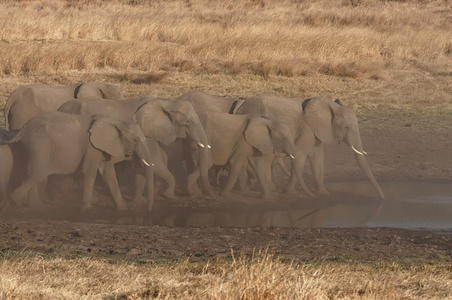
[237,139]
[60,143]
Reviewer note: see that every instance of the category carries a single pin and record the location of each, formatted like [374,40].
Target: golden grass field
[387,59]
[261,276]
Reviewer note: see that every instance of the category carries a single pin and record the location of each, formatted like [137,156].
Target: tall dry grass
[262,276]
[287,37]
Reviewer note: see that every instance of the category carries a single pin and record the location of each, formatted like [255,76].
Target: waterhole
[409,205]
[351,204]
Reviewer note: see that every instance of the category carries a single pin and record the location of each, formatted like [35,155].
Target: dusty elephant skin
[31,100]
[60,143]
[162,121]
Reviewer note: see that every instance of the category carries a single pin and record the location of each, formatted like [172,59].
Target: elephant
[31,100]
[202,101]
[313,123]
[162,121]
[12,165]
[60,143]
[237,139]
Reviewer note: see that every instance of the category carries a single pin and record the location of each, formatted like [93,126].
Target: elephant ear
[257,134]
[155,122]
[318,114]
[105,136]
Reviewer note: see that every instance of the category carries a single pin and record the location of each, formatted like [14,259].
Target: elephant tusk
[354,149]
[364,152]
[208,146]
[146,163]
[200,144]
[291,156]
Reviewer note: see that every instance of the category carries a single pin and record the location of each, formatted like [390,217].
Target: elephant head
[331,120]
[123,139]
[98,90]
[166,120]
[269,136]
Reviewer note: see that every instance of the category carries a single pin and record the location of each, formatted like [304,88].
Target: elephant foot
[85,207]
[289,189]
[122,207]
[169,194]
[194,191]
[225,193]
[322,191]
[138,200]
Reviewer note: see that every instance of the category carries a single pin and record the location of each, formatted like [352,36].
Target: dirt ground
[400,150]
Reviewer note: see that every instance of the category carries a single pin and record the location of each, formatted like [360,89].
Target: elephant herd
[88,129]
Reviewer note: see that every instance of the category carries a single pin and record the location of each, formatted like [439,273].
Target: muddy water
[353,204]
[409,205]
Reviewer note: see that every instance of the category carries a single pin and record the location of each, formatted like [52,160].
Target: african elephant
[162,121]
[313,123]
[306,122]
[31,100]
[235,140]
[202,101]
[60,143]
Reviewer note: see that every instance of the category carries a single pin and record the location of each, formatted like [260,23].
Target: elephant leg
[109,176]
[243,179]
[21,195]
[89,171]
[316,160]
[234,171]
[192,182]
[262,168]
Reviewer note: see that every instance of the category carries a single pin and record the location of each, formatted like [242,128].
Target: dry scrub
[288,38]
[262,276]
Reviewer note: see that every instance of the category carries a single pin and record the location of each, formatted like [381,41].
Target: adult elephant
[313,123]
[60,143]
[237,140]
[28,101]
[162,121]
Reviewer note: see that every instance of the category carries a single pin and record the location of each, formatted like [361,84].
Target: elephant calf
[239,139]
[60,143]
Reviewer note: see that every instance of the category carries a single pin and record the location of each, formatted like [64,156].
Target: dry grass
[262,276]
[285,37]
[377,56]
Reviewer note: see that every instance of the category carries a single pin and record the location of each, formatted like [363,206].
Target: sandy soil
[401,150]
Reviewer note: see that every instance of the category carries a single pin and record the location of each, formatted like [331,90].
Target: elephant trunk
[204,169]
[362,162]
[146,158]
[198,134]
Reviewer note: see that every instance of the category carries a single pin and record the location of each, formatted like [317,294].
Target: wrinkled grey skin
[319,121]
[313,123]
[162,121]
[60,143]
[235,140]
[31,100]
